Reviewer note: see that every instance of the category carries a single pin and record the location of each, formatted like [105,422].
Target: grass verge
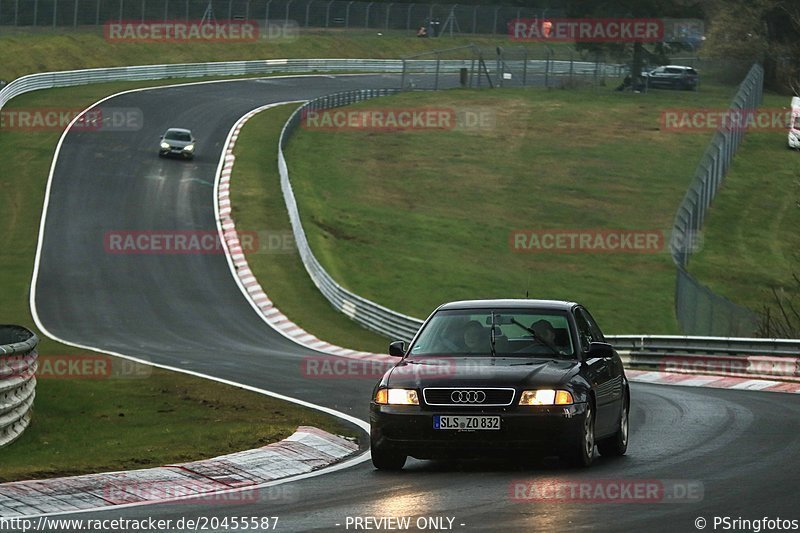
[258,203]
[78,425]
[754,219]
[87,426]
[415,218]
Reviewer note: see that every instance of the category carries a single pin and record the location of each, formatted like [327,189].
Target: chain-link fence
[516,66]
[698,309]
[437,19]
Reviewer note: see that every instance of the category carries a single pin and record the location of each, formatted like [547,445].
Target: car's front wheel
[617,444]
[384,459]
[582,446]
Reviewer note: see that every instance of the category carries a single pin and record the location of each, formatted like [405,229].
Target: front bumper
[409,430]
[177,152]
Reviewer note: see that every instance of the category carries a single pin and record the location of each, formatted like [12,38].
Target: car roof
[178,130]
[513,303]
[679,66]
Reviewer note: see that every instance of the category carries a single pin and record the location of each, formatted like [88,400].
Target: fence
[18,360]
[69,78]
[441,19]
[516,66]
[698,309]
[367,313]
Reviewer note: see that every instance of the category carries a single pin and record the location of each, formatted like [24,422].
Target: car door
[658,77]
[598,372]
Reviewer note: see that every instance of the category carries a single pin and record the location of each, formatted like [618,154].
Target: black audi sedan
[489,378]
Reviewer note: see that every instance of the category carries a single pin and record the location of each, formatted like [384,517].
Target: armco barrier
[69,78]
[17,380]
[772,359]
[367,313]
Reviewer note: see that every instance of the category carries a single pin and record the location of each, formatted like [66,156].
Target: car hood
[481,372]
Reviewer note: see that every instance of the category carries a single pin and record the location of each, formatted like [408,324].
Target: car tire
[581,453]
[617,444]
[384,459]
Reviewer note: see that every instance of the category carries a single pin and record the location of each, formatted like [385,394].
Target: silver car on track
[177,142]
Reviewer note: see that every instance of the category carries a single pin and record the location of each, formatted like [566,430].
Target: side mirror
[397,349]
[601,350]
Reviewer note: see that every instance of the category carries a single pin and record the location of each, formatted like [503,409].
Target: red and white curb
[247,281]
[233,478]
[714,382]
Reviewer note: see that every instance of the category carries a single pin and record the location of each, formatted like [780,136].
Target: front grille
[468,397]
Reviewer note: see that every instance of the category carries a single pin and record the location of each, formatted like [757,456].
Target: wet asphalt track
[187,312]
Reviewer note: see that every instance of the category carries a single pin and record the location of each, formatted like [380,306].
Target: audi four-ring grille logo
[468,396]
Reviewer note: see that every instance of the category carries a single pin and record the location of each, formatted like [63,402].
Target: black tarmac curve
[742,448]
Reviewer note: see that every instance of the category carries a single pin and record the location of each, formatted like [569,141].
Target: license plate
[466,423]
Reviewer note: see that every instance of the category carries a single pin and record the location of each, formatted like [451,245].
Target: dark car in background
[672,77]
[177,142]
[489,378]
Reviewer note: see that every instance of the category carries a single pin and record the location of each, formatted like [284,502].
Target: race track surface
[742,448]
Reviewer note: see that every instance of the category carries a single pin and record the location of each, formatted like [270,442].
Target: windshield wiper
[492,337]
[537,337]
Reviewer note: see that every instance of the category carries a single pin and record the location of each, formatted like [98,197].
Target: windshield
[178,136]
[518,332]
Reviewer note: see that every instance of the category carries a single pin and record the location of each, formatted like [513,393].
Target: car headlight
[545,397]
[396,397]
[189,147]
[165,146]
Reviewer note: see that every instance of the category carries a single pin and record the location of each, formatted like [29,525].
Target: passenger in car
[476,338]
[545,331]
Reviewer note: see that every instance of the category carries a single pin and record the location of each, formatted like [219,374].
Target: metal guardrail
[770,359]
[70,78]
[710,345]
[18,363]
[367,313]
[698,309]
